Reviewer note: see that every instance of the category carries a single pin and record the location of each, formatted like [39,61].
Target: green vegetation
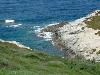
[20,61]
[94,23]
[98,52]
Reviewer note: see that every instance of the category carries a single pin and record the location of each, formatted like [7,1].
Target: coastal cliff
[80,37]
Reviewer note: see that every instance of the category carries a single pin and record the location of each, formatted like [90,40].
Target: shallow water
[29,15]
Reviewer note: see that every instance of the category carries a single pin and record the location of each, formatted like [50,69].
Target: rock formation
[79,37]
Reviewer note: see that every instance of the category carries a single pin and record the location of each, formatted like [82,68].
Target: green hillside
[20,61]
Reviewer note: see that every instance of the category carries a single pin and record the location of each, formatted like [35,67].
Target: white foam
[46,35]
[14,26]
[52,24]
[38,30]
[78,21]
[35,27]
[9,21]
[16,43]
[81,20]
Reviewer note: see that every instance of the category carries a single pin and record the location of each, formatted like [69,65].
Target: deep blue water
[32,13]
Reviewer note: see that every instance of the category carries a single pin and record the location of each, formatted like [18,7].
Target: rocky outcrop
[79,37]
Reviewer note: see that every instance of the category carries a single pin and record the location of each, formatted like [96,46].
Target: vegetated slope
[20,61]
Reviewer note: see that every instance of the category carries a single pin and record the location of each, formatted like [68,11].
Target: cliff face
[80,37]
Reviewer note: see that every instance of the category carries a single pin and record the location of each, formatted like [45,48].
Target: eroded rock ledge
[80,37]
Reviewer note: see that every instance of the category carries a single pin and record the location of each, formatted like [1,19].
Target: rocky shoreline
[79,37]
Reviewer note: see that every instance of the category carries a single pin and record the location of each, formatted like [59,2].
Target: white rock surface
[80,39]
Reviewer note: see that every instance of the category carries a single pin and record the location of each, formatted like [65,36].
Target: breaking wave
[46,35]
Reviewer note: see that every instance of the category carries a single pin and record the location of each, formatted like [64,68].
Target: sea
[31,15]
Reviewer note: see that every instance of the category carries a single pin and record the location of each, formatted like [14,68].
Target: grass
[98,52]
[94,23]
[20,61]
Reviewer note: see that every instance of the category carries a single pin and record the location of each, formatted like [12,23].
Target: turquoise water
[32,13]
